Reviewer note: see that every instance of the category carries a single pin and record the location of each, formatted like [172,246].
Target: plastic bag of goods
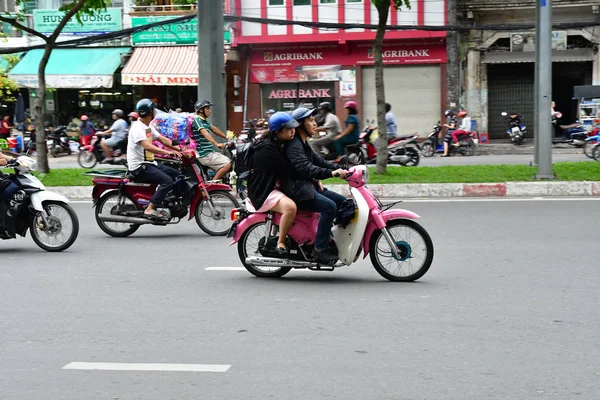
[174,126]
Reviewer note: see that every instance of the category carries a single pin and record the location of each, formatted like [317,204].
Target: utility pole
[543,68]
[211,60]
[453,64]
[536,87]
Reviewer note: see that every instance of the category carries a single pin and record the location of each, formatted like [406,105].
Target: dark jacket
[308,167]
[268,165]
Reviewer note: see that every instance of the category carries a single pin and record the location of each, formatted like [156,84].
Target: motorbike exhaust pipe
[123,219]
[256,261]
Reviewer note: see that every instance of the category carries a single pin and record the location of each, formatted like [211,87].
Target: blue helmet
[301,113]
[281,120]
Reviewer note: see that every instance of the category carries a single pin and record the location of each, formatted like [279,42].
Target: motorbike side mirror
[504,114]
[175,142]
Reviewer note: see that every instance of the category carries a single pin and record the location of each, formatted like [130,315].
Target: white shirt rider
[136,155]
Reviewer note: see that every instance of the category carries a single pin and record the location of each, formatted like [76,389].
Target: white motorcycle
[25,204]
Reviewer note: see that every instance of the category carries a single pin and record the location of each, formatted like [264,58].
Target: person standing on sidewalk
[391,125]
[5,128]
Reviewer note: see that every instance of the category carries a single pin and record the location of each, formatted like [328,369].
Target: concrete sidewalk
[431,190]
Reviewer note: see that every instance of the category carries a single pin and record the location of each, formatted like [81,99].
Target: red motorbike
[401,150]
[119,201]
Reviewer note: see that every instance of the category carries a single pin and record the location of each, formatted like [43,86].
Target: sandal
[154,215]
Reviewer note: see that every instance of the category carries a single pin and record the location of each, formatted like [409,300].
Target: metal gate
[510,89]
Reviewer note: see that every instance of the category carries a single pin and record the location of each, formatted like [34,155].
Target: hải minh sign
[159,79]
[172,34]
[103,21]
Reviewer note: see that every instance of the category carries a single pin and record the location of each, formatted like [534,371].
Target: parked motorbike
[26,205]
[120,201]
[401,249]
[431,146]
[401,150]
[93,154]
[516,128]
[60,141]
[596,152]
[353,152]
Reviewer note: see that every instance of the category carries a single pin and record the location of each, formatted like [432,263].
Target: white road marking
[147,367]
[225,269]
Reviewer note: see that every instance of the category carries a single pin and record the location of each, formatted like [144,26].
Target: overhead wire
[88,40]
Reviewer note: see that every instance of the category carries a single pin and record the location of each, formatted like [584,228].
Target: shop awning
[587,92]
[162,66]
[508,57]
[70,68]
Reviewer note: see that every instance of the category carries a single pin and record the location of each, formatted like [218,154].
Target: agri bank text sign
[103,21]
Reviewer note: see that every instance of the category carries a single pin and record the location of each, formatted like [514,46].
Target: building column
[473,86]
[596,65]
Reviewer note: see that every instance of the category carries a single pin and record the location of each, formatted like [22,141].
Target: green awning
[90,67]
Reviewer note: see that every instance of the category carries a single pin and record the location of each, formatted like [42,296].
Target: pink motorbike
[401,249]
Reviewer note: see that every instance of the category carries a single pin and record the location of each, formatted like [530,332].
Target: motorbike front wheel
[112,203]
[87,159]
[414,159]
[216,222]
[60,229]
[414,245]
[248,245]
[588,147]
[596,152]
[427,149]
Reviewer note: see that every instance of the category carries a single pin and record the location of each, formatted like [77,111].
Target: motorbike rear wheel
[414,157]
[110,201]
[218,224]
[87,159]
[469,150]
[412,241]
[248,245]
[51,237]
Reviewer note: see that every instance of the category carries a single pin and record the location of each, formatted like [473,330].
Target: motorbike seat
[399,138]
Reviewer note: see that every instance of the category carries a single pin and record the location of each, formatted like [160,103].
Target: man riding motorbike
[331,125]
[140,157]
[351,134]
[117,138]
[201,132]
[306,188]
[269,171]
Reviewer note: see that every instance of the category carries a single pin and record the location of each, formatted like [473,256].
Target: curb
[430,190]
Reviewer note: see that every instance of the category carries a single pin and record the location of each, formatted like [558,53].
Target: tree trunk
[453,66]
[38,113]
[382,142]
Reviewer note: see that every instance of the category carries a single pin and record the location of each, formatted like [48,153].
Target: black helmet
[200,104]
[325,106]
[144,107]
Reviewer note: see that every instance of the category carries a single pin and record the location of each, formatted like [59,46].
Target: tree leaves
[398,4]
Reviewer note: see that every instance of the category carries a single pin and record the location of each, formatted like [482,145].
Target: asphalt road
[71,161]
[509,310]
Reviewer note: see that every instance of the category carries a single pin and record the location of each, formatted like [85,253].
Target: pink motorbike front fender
[385,216]
[245,224]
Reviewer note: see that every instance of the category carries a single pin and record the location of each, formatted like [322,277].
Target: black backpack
[243,160]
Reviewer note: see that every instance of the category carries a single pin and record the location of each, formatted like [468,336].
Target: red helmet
[351,104]
[84,118]
[133,114]
[462,114]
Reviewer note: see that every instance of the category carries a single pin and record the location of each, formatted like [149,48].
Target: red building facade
[282,67]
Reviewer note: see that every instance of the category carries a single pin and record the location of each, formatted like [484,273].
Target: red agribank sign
[278,65]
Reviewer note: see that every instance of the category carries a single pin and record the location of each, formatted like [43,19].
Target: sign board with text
[525,41]
[182,33]
[103,21]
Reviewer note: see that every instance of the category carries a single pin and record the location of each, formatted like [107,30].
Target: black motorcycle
[516,128]
[60,141]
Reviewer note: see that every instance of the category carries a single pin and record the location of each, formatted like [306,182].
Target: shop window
[7,6]
[302,2]
[327,1]
[276,2]
[353,1]
[289,96]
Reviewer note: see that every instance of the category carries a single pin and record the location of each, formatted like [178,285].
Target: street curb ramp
[430,190]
